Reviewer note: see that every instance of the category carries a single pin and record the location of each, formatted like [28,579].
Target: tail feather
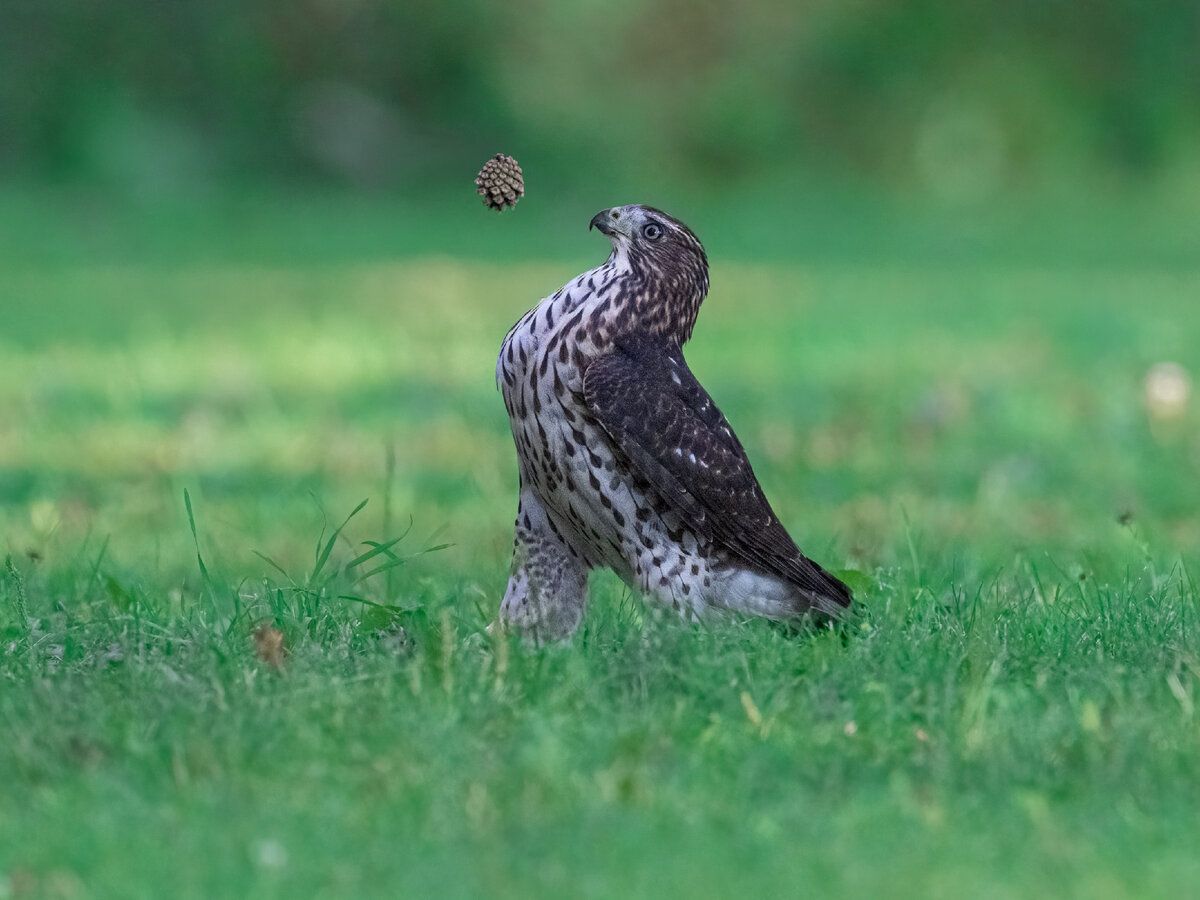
[834,591]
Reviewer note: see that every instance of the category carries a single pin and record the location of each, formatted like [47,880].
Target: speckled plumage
[624,459]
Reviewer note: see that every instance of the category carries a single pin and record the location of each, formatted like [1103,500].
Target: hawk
[625,461]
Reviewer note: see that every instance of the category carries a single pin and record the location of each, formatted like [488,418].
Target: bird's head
[651,235]
[663,253]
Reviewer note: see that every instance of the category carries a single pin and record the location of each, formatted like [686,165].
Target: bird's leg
[547,589]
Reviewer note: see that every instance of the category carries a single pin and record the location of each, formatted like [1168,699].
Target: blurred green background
[966,100]
[1044,131]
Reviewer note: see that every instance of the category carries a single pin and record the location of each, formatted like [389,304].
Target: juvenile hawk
[625,461]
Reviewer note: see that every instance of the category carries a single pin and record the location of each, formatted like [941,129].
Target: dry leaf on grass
[269,646]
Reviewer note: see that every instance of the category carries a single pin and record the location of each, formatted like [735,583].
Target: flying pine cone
[500,182]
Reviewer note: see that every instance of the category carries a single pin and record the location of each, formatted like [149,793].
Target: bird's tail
[827,593]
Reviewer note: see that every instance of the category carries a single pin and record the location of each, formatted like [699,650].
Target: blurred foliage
[969,98]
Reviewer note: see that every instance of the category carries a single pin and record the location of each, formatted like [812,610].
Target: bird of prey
[624,459]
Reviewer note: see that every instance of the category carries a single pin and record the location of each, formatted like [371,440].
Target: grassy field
[956,414]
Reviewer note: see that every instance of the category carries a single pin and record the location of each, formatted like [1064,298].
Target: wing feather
[665,423]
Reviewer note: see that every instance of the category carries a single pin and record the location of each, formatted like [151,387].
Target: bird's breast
[562,333]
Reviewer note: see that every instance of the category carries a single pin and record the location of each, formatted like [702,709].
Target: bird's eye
[652,231]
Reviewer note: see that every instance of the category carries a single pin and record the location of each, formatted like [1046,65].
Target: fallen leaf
[269,646]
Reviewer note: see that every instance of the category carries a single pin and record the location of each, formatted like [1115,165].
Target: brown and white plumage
[625,460]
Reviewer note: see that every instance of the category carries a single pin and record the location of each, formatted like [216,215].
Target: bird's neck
[663,302]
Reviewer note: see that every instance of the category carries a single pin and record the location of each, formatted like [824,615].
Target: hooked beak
[604,222]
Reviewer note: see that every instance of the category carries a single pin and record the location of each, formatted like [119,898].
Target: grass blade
[187,502]
[397,561]
[364,600]
[20,603]
[384,567]
[323,558]
[376,550]
[274,565]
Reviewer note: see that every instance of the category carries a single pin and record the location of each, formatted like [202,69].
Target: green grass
[1010,711]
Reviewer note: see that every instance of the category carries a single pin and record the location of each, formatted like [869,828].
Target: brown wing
[660,417]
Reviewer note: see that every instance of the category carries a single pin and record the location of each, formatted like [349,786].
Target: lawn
[955,415]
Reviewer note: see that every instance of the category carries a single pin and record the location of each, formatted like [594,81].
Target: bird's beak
[604,222]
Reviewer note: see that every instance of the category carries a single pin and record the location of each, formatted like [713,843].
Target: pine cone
[500,182]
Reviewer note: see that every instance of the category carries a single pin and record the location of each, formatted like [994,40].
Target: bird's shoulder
[644,374]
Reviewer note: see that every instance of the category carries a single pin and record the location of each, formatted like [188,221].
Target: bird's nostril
[615,214]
